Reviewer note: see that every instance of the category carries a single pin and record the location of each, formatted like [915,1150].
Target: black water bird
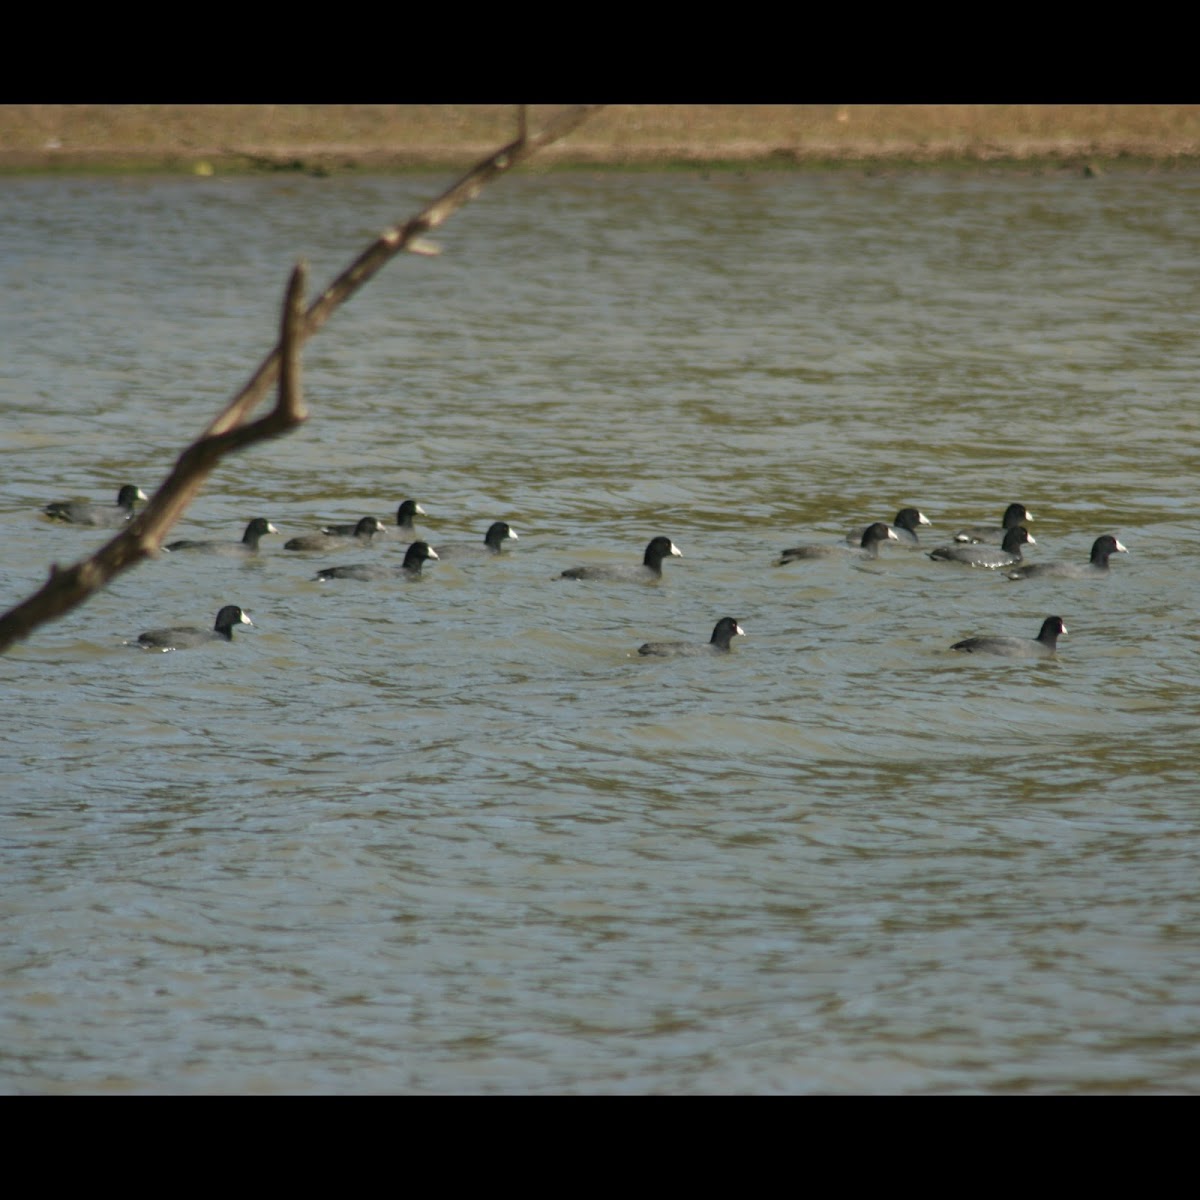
[725,631]
[403,528]
[868,546]
[103,516]
[181,637]
[976,554]
[1043,646]
[256,530]
[1014,515]
[1102,548]
[649,571]
[414,558]
[498,533]
[904,527]
[362,533]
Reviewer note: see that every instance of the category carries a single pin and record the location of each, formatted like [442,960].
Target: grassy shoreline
[204,139]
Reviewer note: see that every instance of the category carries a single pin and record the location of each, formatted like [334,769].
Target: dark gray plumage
[725,630]
[1102,548]
[868,544]
[414,559]
[1043,646]
[257,529]
[404,522]
[184,636]
[650,570]
[1014,515]
[362,533]
[103,516]
[977,555]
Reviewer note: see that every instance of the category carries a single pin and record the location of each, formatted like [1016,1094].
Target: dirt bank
[385,137]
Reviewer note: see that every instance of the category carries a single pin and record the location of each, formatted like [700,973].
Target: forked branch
[232,430]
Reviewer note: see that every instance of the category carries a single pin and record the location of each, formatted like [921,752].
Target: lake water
[455,835]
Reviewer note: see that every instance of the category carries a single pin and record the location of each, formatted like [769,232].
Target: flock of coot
[990,547]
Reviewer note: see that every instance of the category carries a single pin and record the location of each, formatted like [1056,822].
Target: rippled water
[455,835]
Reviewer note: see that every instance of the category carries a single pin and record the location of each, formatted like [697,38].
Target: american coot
[1014,515]
[493,543]
[404,522]
[869,544]
[726,629]
[414,557]
[1102,547]
[363,532]
[976,555]
[257,528]
[105,516]
[904,527]
[649,572]
[180,638]
[1043,646]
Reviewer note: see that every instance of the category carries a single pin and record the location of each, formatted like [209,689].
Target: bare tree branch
[232,430]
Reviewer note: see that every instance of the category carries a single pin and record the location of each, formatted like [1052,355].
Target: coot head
[725,630]
[909,519]
[1103,547]
[257,529]
[874,534]
[405,513]
[499,532]
[416,555]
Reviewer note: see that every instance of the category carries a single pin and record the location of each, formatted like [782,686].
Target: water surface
[455,835]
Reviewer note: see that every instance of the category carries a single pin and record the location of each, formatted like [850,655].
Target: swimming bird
[105,516]
[650,570]
[1043,646]
[414,558]
[1014,514]
[404,522]
[977,555]
[363,532]
[725,630]
[868,543]
[904,527]
[1102,547]
[184,636]
[257,529]
[493,543]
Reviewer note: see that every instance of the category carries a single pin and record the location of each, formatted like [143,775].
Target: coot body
[977,554]
[182,637]
[1097,565]
[102,516]
[1043,646]
[362,533]
[649,571]
[725,630]
[414,558]
[868,546]
[403,528]
[257,529]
